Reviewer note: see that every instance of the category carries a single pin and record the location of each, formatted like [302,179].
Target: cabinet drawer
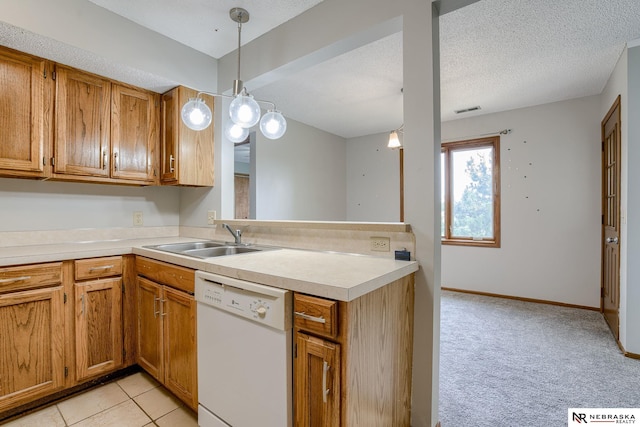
[167,274]
[98,267]
[30,276]
[315,314]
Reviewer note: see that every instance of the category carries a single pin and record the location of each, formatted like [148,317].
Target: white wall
[373,179]
[550,206]
[301,176]
[632,160]
[27,205]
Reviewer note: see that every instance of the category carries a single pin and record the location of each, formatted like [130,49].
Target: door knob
[612,240]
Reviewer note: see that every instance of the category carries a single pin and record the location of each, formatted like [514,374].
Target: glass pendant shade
[244,111]
[234,132]
[273,124]
[394,141]
[196,114]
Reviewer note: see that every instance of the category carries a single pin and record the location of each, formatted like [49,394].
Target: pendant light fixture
[394,139]
[244,110]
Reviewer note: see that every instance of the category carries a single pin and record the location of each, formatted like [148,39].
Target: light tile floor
[134,401]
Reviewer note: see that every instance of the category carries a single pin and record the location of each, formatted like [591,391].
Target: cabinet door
[98,327]
[22,106]
[81,144]
[187,155]
[169,137]
[31,345]
[134,133]
[149,328]
[180,364]
[317,382]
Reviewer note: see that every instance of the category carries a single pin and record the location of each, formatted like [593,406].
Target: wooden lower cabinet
[98,316]
[62,324]
[166,329]
[31,345]
[318,389]
[353,359]
[98,327]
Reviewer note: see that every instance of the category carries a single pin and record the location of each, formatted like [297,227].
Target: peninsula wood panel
[31,345]
[81,145]
[380,331]
[23,106]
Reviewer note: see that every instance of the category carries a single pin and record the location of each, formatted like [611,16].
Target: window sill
[470,242]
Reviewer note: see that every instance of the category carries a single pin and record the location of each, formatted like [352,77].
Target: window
[470,180]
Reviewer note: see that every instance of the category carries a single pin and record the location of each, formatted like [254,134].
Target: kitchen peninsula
[368,302]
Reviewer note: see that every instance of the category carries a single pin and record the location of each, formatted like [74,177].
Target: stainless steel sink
[207,249]
[179,248]
[219,251]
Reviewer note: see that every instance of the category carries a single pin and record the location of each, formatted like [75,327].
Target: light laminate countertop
[334,275]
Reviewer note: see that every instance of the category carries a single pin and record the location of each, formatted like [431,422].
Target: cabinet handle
[82,308]
[115,161]
[305,316]
[14,279]
[104,159]
[325,390]
[162,312]
[104,267]
[155,307]
[171,163]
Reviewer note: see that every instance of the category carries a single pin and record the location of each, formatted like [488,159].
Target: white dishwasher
[244,353]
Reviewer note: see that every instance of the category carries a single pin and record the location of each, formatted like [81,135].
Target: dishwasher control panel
[263,304]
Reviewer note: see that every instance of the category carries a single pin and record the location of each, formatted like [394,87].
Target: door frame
[616,106]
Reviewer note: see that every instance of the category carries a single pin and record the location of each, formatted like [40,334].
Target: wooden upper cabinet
[104,131]
[23,108]
[82,123]
[186,154]
[134,133]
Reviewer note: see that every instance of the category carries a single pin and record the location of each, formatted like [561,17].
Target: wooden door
[611,163]
[22,108]
[180,363]
[81,145]
[98,327]
[134,133]
[149,328]
[242,194]
[317,382]
[31,344]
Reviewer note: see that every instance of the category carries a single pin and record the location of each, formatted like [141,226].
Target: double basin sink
[207,249]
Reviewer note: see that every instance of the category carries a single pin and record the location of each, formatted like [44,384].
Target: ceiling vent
[466,110]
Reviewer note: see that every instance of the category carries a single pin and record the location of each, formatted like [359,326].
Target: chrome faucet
[237,235]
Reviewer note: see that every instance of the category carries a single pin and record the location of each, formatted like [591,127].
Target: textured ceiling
[497,54]
[506,54]
[205,24]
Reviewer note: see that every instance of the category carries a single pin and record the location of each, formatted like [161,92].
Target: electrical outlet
[380,244]
[211,217]
[138,220]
